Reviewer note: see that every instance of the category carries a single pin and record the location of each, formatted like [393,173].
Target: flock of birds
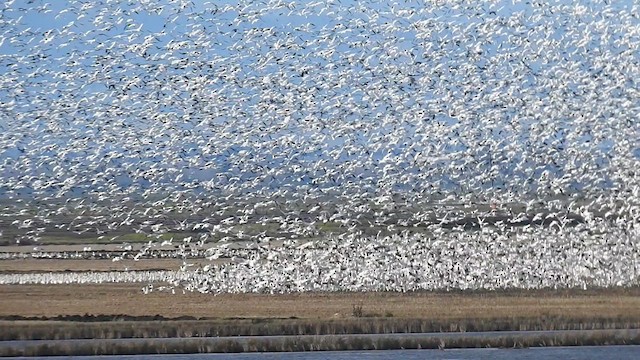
[402,263]
[370,142]
[97,277]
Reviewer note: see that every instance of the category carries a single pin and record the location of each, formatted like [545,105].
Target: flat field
[128,299]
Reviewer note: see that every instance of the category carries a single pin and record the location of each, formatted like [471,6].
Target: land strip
[104,312]
[110,299]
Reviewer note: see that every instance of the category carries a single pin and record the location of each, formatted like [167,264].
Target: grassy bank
[122,329]
[320,343]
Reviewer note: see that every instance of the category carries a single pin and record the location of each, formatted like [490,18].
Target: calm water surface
[564,353]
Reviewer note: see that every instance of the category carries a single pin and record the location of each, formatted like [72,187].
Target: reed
[320,343]
[122,329]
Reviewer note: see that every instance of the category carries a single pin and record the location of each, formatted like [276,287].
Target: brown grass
[54,300]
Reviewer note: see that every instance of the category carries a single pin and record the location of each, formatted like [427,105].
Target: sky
[393,96]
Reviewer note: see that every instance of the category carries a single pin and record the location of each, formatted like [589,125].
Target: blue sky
[76,91]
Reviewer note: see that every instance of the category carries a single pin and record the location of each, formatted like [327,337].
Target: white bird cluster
[461,260]
[97,277]
[260,120]
[458,260]
[98,255]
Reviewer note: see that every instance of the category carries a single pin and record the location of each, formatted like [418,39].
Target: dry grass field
[128,299]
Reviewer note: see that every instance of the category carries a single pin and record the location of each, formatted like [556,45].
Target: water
[565,353]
